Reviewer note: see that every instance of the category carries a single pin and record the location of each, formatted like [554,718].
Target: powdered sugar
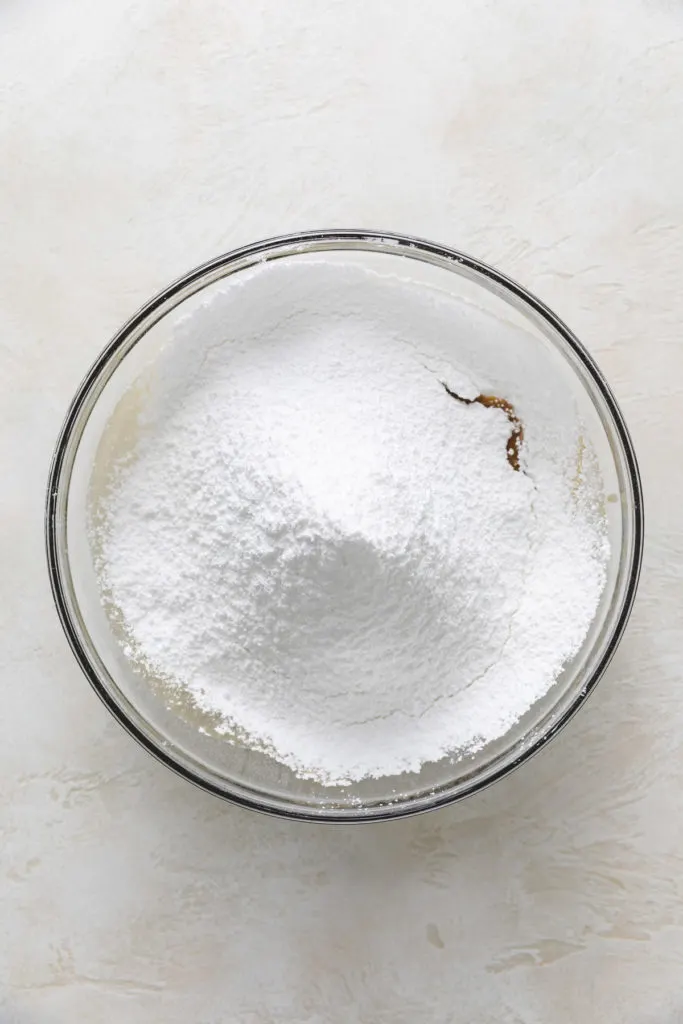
[325,550]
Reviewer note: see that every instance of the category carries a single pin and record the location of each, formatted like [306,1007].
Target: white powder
[328,552]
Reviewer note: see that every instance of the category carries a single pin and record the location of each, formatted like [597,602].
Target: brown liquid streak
[516,438]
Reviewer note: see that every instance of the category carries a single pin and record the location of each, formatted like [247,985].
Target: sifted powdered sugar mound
[328,551]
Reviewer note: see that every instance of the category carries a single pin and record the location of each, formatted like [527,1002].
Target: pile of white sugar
[322,540]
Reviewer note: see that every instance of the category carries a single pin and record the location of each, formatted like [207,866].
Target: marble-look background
[141,137]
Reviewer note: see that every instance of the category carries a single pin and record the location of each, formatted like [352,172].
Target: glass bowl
[235,772]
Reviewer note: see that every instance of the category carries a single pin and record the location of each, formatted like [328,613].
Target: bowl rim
[302,243]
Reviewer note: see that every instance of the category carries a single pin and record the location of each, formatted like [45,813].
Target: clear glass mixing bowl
[235,772]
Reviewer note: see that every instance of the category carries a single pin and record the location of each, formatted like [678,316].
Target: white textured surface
[138,139]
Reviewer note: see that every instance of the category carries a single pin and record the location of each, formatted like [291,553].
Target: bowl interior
[102,425]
